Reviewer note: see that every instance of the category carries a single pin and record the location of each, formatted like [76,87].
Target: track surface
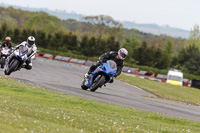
[67,78]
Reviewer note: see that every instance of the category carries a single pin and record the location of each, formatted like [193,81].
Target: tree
[187,53]
[189,59]
[92,48]
[169,48]
[111,44]
[24,35]
[162,59]
[152,56]
[45,22]
[139,54]
[193,65]
[56,40]
[168,53]
[16,36]
[49,38]
[41,39]
[84,46]
[74,43]
[131,44]
[103,24]
[101,46]
[194,37]
[4,30]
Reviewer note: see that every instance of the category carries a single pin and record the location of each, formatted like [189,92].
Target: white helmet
[8,39]
[30,41]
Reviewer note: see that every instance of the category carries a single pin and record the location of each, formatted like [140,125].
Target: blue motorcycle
[100,76]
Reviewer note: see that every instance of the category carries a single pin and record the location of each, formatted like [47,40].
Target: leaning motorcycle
[100,76]
[5,52]
[16,60]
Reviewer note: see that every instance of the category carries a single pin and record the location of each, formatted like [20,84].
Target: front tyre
[14,64]
[2,62]
[98,81]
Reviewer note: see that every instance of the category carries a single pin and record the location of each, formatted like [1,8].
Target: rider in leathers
[32,49]
[6,43]
[118,57]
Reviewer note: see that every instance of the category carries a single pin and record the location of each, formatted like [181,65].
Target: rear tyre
[98,83]
[12,65]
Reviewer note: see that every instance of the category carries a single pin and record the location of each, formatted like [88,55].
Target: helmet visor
[123,55]
[30,42]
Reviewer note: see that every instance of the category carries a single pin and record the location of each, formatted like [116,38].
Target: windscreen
[23,50]
[6,48]
[176,78]
[112,64]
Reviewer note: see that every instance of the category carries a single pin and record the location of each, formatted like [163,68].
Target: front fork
[8,60]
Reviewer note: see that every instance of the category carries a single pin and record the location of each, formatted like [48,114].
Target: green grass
[25,108]
[165,91]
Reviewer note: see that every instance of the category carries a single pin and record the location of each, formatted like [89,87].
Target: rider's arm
[18,45]
[105,57]
[11,45]
[34,50]
[23,43]
[119,70]
[2,44]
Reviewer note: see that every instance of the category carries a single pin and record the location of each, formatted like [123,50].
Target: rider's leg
[29,64]
[92,68]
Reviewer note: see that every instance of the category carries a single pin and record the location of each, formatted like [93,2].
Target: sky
[182,14]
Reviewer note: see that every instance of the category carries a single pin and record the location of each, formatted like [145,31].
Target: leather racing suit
[109,56]
[31,53]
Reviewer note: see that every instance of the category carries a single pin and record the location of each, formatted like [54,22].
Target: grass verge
[25,108]
[165,91]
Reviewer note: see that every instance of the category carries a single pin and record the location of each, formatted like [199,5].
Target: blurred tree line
[62,41]
[140,53]
[96,35]
[186,59]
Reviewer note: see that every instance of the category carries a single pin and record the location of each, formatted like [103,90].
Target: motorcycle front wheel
[98,82]
[3,62]
[14,63]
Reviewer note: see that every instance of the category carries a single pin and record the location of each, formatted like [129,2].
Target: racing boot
[87,75]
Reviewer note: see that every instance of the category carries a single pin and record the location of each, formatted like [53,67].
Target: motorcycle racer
[6,43]
[30,44]
[118,57]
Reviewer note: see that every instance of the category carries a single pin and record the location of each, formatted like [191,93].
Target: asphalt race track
[67,78]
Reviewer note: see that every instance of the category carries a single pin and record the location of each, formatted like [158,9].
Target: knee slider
[28,67]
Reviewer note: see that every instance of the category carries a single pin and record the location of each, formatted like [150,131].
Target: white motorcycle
[16,60]
[5,52]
